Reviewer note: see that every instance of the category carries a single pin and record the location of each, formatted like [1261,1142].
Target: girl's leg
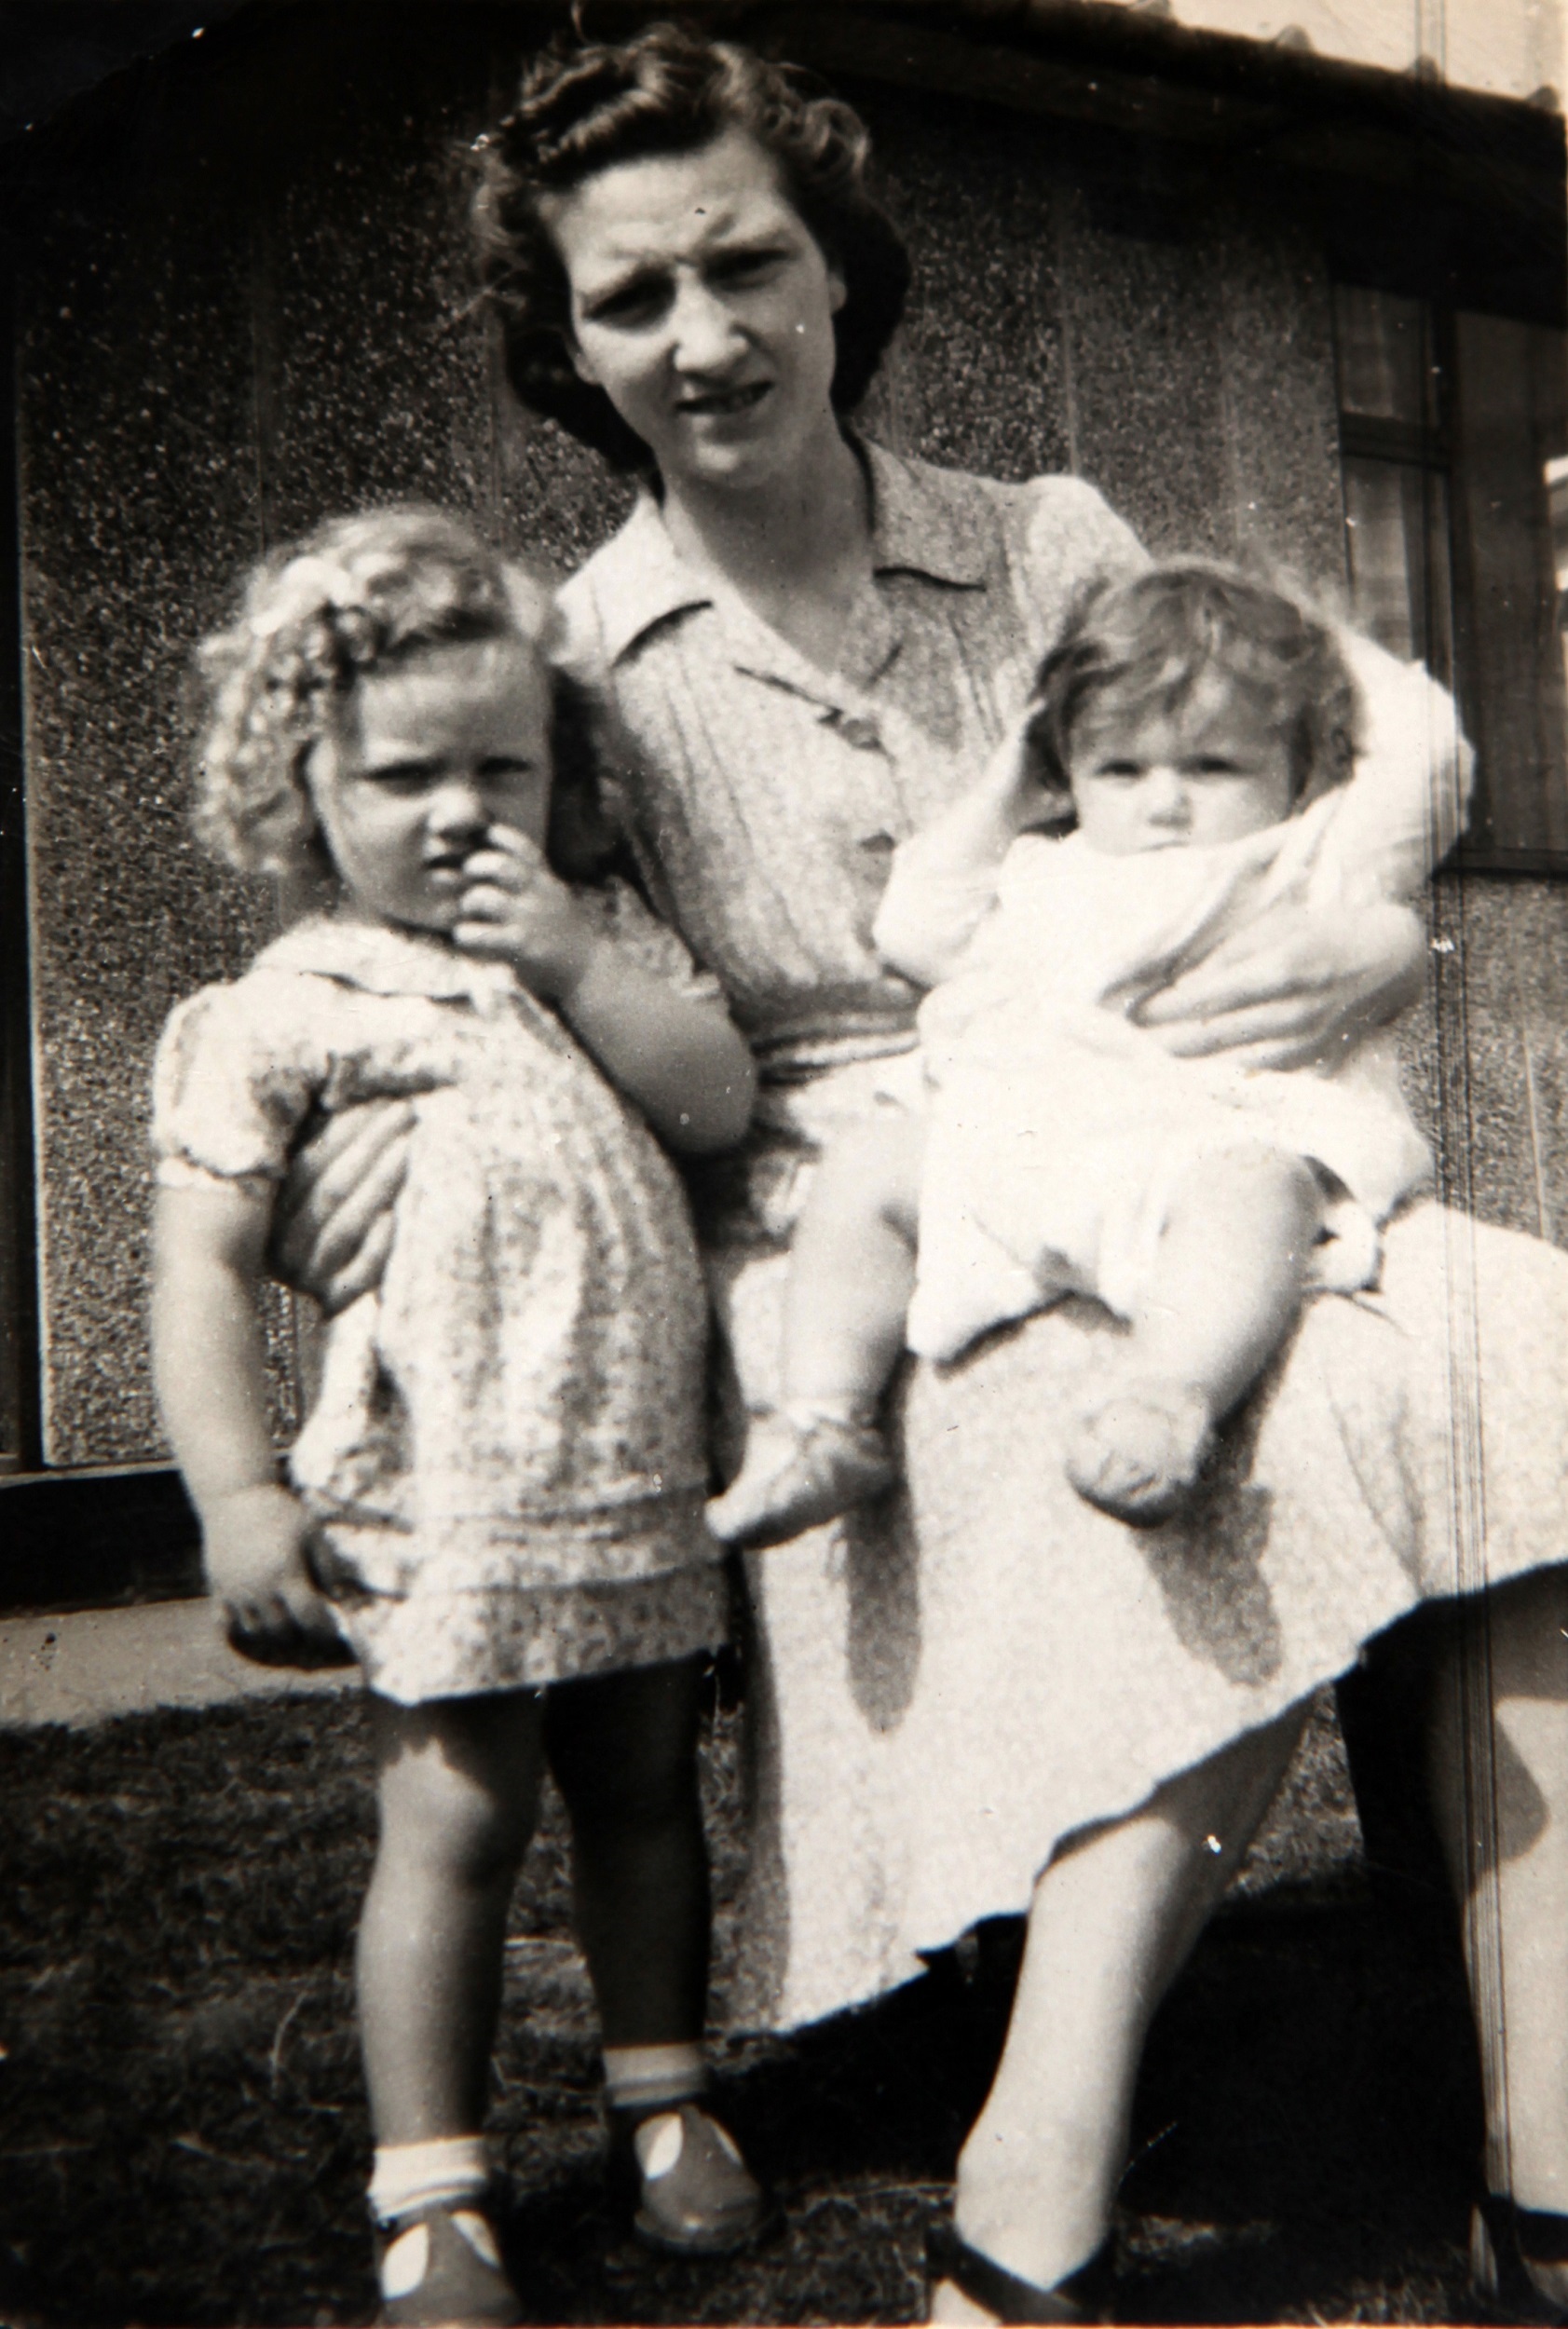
[1501,1797]
[624,1749]
[1114,1915]
[1224,1292]
[852,1271]
[458,1789]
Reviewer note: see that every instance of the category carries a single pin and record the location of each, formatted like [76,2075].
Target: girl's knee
[458,1784]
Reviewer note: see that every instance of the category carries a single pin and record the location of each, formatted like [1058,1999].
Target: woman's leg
[1113,1917]
[458,1789]
[1501,1790]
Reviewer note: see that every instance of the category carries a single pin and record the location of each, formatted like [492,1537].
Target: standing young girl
[497,1497]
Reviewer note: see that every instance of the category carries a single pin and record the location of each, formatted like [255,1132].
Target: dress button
[863,733]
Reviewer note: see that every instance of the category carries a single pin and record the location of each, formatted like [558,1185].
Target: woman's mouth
[725,404]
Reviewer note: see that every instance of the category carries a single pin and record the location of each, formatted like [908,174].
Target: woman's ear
[580,362]
[837,290]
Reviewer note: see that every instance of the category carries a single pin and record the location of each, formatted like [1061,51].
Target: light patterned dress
[948,1685]
[506,1449]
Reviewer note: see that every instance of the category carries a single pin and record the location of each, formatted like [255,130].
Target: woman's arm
[1290,988]
[678,1056]
[207,1366]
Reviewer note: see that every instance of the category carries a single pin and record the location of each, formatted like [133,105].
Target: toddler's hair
[1149,642]
[357,595]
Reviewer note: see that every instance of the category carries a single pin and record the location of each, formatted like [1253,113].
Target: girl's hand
[332,1226]
[1290,988]
[256,1545]
[516,910]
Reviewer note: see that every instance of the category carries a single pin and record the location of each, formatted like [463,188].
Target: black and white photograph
[681,1640]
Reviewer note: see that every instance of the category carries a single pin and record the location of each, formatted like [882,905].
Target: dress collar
[383,962]
[920,524]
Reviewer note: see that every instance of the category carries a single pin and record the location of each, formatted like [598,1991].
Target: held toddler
[496,1500]
[1199,729]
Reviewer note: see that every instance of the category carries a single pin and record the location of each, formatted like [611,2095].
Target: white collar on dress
[384,961]
[921,523]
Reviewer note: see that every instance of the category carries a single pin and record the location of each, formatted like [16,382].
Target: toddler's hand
[516,910]
[256,1548]
[1012,780]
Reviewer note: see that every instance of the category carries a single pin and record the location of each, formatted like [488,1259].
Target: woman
[997,1699]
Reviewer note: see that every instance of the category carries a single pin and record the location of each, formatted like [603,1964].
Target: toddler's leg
[1225,1290]
[624,1749]
[851,1274]
[458,1789]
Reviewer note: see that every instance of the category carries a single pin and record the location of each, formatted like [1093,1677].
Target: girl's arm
[944,878]
[679,1057]
[207,1366]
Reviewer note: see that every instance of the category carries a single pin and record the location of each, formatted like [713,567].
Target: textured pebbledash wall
[251,309]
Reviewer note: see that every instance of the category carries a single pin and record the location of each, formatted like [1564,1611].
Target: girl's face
[704,308]
[430,755]
[1213,772]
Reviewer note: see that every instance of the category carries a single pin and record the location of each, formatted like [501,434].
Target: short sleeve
[632,927]
[227,1102]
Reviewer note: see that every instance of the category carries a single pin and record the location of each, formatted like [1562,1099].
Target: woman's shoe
[1083,2296]
[440,2265]
[691,2192]
[1506,2242]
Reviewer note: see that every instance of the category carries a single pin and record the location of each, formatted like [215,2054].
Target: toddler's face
[1214,770]
[429,757]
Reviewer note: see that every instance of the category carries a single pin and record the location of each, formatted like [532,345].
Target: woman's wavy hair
[584,105]
[357,595]
[1149,643]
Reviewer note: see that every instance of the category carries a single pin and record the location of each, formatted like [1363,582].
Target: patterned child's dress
[506,1452]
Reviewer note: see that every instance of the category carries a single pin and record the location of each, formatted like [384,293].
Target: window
[1453,428]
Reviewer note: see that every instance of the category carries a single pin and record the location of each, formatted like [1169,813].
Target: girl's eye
[1214,764]
[405,778]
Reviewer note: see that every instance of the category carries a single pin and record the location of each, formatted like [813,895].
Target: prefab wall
[243,303]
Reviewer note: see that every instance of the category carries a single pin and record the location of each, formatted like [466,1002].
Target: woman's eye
[746,267]
[634,302]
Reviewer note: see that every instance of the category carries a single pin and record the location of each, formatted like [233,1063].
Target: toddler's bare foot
[1136,1449]
[801,1469]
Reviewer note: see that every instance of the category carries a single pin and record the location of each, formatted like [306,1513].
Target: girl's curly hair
[1149,643]
[584,105]
[356,595]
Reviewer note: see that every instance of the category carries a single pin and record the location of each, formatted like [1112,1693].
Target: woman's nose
[704,335]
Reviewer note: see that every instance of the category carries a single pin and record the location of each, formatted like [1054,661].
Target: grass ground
[183,2137]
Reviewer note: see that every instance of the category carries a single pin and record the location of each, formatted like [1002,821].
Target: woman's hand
[1289,989]
[332,1226]
[256,1545]
[516,910]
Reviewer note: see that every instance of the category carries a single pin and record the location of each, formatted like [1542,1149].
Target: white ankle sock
[648,2077]
[409,2175]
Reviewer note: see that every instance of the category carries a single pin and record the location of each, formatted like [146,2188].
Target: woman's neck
[797,551]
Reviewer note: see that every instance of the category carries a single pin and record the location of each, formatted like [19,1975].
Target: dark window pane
[1397,548]
[1383,345]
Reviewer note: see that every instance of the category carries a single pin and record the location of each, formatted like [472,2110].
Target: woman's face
[704,308]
